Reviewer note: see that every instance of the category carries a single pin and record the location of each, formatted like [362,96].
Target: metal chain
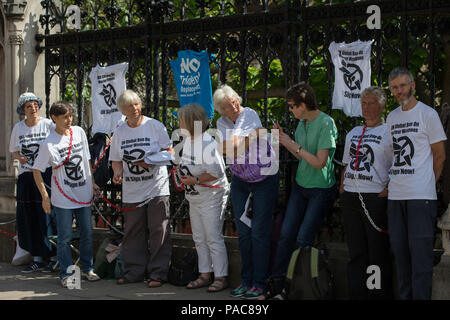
[363,205]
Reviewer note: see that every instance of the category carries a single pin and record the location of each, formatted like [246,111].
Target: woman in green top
[313,191]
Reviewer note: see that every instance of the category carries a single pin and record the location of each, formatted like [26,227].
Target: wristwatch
[197,180]
[298,150]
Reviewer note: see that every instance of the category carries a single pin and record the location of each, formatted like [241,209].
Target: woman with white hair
[364,189]
[255,172]
[145,192]
[26,138]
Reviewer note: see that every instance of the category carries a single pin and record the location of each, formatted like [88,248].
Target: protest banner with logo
[352,74]
[193,79]
[108,83]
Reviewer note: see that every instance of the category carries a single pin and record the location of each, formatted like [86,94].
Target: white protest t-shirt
[411,133]
[246,122]
[74,177]
[374,160]
[107,85]
[132,144]
[27,141]
[200,156]
[352,74]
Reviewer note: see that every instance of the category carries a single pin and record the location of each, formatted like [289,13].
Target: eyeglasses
[401,86]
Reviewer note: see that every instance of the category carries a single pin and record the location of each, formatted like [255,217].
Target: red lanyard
[359,144]
[59,166]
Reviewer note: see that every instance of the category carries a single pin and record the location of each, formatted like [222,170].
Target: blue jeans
[64,218]
[254,242]
[303,218]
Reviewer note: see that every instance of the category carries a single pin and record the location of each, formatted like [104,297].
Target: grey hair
[400,71]
[126,98]
[377,92]
[222,93]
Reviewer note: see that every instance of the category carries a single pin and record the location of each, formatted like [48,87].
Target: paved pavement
[15,285]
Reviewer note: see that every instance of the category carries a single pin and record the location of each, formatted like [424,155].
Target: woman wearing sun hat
[31,221]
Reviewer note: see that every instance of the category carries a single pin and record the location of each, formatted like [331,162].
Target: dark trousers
[366,245]
[411,232]
[304,216]
[146,244]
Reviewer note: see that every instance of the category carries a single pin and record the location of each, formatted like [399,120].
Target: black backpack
[185,270]
[308,276]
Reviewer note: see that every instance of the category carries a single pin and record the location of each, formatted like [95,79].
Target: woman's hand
[96,188]
[117,178]
[118,172]
[283,137]
[18,156]
[46,204]
[188,180]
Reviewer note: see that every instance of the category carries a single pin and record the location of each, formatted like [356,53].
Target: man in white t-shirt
[417,138]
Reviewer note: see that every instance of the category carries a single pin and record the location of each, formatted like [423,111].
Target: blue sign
[193,79]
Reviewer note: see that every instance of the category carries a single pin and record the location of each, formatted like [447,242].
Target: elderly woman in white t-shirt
[254,172]
[145,189]
[31,221]
[202,171]
[367,158]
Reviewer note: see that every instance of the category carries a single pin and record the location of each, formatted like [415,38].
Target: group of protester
[387,189]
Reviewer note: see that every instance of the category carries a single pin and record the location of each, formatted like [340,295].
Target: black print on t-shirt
[109,94]
[184,171]
[73,168]
[30,152]
[352,74]
[403,151]
[366,157]
[132,156]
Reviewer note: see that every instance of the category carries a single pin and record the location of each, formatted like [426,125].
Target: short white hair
[126,98]
[222,93]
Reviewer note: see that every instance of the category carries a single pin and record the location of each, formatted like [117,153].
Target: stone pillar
[15,82]
[441,273]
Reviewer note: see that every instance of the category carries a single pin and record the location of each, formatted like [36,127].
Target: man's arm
[438,150]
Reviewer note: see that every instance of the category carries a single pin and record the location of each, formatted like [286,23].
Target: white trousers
[206,223]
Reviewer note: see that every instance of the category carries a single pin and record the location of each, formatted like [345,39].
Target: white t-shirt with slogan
[374,160]
[107,85]
[411,133]
[132,144]
[200,156]
[27,141]
[74,177]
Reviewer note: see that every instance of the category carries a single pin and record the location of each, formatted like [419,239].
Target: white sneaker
[90,276]
[64,282]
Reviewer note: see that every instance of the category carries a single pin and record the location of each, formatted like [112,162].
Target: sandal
[155,283]
[123,280]
[219,284]
[200,282]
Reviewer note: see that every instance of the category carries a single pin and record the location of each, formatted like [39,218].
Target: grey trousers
[146,244]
